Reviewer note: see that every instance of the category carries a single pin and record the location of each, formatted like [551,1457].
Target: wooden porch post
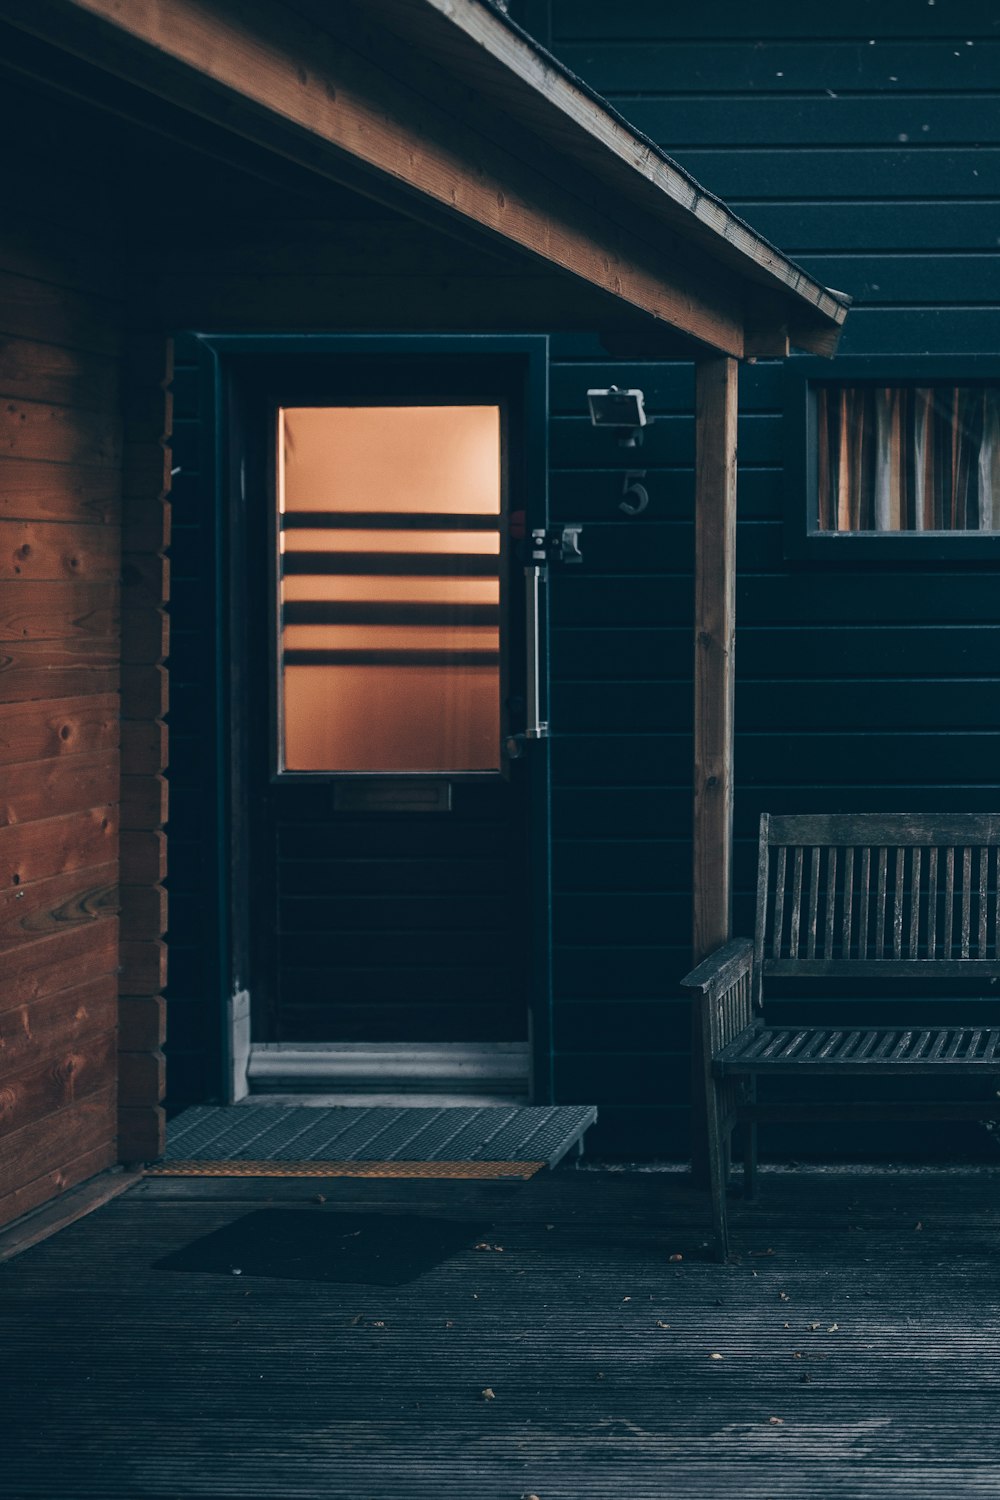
[714,638]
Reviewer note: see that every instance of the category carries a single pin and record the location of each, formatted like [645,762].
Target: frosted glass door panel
[390,527]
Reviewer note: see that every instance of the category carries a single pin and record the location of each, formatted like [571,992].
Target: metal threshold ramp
[269,1140]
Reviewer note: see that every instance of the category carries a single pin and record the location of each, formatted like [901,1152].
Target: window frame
[449,389]
[803,541]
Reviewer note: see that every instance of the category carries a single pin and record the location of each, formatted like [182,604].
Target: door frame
[224,356]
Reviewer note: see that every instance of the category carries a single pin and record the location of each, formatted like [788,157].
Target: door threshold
[378,1098]
[404,1073]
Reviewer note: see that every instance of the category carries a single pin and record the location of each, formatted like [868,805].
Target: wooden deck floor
[858,1337]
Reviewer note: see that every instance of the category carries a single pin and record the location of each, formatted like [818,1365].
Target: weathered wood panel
[70,1073]
[58,1180]
[57,434]
[43,789]
[54,846]
[45,967]
[56,669]
[143,969]
[63,377]
[28,246]
[60,564]
[47,906]
[58,492]
[142,1023]
[41,311]
[58,1021]
[44,550]
[32,611]
[68,726]
[41,1159]
[143,856]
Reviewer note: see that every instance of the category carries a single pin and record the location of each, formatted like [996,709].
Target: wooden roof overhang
[447,111]
[444,108]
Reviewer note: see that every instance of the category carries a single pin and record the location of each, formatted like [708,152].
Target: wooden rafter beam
[257,65]
[499,60]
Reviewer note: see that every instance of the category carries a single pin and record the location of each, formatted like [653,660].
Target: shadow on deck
[857,1336]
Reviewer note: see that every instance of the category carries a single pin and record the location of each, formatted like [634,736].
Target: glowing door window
[390,537]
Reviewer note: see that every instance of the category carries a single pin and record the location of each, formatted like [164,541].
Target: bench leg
[750,1146]
[717,1173]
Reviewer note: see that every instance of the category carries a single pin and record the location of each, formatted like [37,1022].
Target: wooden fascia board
[259,63]
[481,46]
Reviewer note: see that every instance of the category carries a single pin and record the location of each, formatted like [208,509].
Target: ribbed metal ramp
[375,1141]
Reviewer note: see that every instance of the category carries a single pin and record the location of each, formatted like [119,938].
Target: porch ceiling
[388,97]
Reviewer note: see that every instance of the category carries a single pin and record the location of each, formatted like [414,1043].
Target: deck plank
[878,1358]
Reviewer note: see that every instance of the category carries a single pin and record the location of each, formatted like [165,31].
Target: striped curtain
[908,458]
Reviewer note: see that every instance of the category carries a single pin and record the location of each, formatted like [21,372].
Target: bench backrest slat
[902,894]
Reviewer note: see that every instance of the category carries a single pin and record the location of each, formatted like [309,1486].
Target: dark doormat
[309,1245]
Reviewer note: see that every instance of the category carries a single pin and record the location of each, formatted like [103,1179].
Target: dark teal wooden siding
[863,139]
[858,687]
[193,1025]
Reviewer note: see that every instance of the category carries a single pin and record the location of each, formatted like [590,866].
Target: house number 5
[636,494]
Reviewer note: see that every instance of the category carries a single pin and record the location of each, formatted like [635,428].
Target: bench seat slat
[900,1048]
[774,1043]
[920,1047]
[848,1052]
[831,1046]
[879,1050]
[865,1045]
[938,1044]
[812,1047]
[883,1048]
[749,1044]
[796,1043]
[954,1044]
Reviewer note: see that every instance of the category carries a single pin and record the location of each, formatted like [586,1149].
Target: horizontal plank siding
[865,141]
[60,564]
[646,21]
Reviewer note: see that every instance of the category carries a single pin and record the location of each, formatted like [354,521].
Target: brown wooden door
[385,686]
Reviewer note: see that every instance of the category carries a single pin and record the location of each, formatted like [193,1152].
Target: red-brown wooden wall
[60,502]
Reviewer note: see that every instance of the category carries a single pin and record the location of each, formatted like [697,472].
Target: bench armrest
[721,969]
[723,1000]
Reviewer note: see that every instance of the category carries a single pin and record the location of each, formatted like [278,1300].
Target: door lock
[559,544]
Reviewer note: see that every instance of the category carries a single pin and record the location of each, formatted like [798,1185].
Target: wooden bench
[904,897]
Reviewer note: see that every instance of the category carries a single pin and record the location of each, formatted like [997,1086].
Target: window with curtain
[908,458]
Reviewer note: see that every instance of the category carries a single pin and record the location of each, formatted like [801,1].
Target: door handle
[563,546]
[535,577]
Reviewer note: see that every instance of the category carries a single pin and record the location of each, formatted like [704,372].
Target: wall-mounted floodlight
[622,411]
